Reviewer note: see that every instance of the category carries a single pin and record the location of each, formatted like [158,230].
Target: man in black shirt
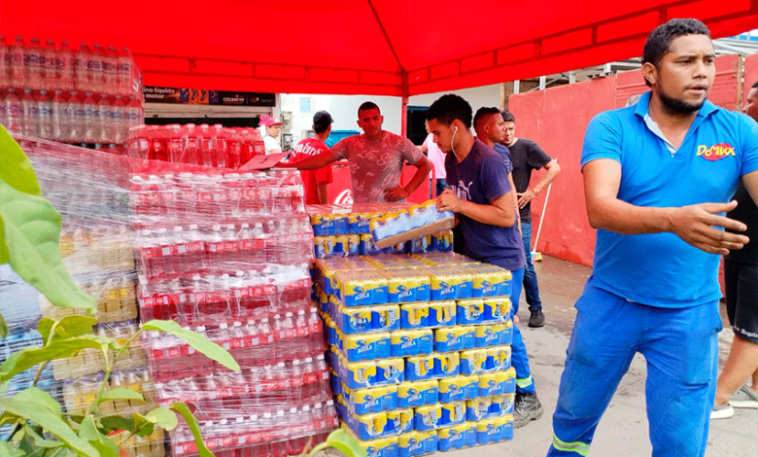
[741,280]
[527,156]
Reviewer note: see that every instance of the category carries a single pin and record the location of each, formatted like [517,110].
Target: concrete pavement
[623,430]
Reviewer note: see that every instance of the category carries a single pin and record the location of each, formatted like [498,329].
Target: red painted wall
[557,118]
[751,75]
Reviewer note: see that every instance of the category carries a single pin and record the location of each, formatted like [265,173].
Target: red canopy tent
[378,47]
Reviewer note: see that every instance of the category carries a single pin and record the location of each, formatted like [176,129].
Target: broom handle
[542,216]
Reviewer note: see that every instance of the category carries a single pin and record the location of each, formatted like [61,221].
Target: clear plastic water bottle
[45,110]
[3,110]
[5,59]
[233,148]
[105,111]
[247,151]
[220,148]
[61,116]
[77,123]
[31,113]
[18,61]
[110,71]
[96,67]
[82,71]
[192,152]
[134,113]
[49,56]
[125,65]
[34,67]
[206,145]
[175,144]
[14,112]
[91,121]
[64,67]
[120,127]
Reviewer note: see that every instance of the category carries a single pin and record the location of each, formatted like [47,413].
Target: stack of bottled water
[208,145]
[48,91]
[91,191]
[20,308]
[227,255]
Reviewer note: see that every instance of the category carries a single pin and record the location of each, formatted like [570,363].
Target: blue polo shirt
[661,269]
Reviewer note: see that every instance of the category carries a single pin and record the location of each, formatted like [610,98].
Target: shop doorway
[415,128]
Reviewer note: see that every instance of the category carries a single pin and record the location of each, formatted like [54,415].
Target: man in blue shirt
[490,130]
[485,204]
[657,176]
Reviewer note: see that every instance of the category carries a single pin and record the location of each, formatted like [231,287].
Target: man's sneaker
[537,319]
[722,412]
[526,408]
[744,398]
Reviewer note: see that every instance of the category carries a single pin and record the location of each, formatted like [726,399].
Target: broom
[536,255]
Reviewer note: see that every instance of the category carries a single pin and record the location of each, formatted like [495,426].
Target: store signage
[156,94]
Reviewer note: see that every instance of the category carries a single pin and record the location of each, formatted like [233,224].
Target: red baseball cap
[269,121]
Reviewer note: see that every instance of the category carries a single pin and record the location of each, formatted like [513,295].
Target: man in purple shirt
[484,202]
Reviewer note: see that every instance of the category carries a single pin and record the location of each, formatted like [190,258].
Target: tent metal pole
[404,116]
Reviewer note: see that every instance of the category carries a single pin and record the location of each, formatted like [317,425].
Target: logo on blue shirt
[715,152]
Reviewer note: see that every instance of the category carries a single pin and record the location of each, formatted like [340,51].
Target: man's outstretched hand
[696,224]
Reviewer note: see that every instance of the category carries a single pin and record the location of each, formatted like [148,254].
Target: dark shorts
[741,281]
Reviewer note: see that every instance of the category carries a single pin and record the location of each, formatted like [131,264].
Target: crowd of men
[664,213]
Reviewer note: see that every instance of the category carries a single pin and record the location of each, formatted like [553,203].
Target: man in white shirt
[271,128]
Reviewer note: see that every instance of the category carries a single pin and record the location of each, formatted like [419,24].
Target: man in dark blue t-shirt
[484,202]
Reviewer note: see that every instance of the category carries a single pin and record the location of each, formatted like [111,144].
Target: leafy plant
[29,234]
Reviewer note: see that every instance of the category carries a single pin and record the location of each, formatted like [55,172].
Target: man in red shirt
[315,181]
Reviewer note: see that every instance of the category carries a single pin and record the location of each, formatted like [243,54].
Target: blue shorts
[680,346]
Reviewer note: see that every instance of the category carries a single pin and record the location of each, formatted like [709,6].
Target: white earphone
[452,148]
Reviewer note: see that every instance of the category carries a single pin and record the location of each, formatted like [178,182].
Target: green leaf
[182,409]
[30,229]
[38,412]
[17,171]
[89,432]
[77,419]
[199,342]
[18,436]
[7,450]
[343,442]
[163,417]
[42,398]
[112,423]
[15,168]
[9,419]
[29,357]
[3,325]
[67,327]
[121,394]
[40,441]
[142,426]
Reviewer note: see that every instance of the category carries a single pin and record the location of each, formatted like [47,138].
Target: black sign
[155,94]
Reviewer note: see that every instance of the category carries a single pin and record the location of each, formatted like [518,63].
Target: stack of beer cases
[342,231]
[419,350]
[227,255]
[90,189]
